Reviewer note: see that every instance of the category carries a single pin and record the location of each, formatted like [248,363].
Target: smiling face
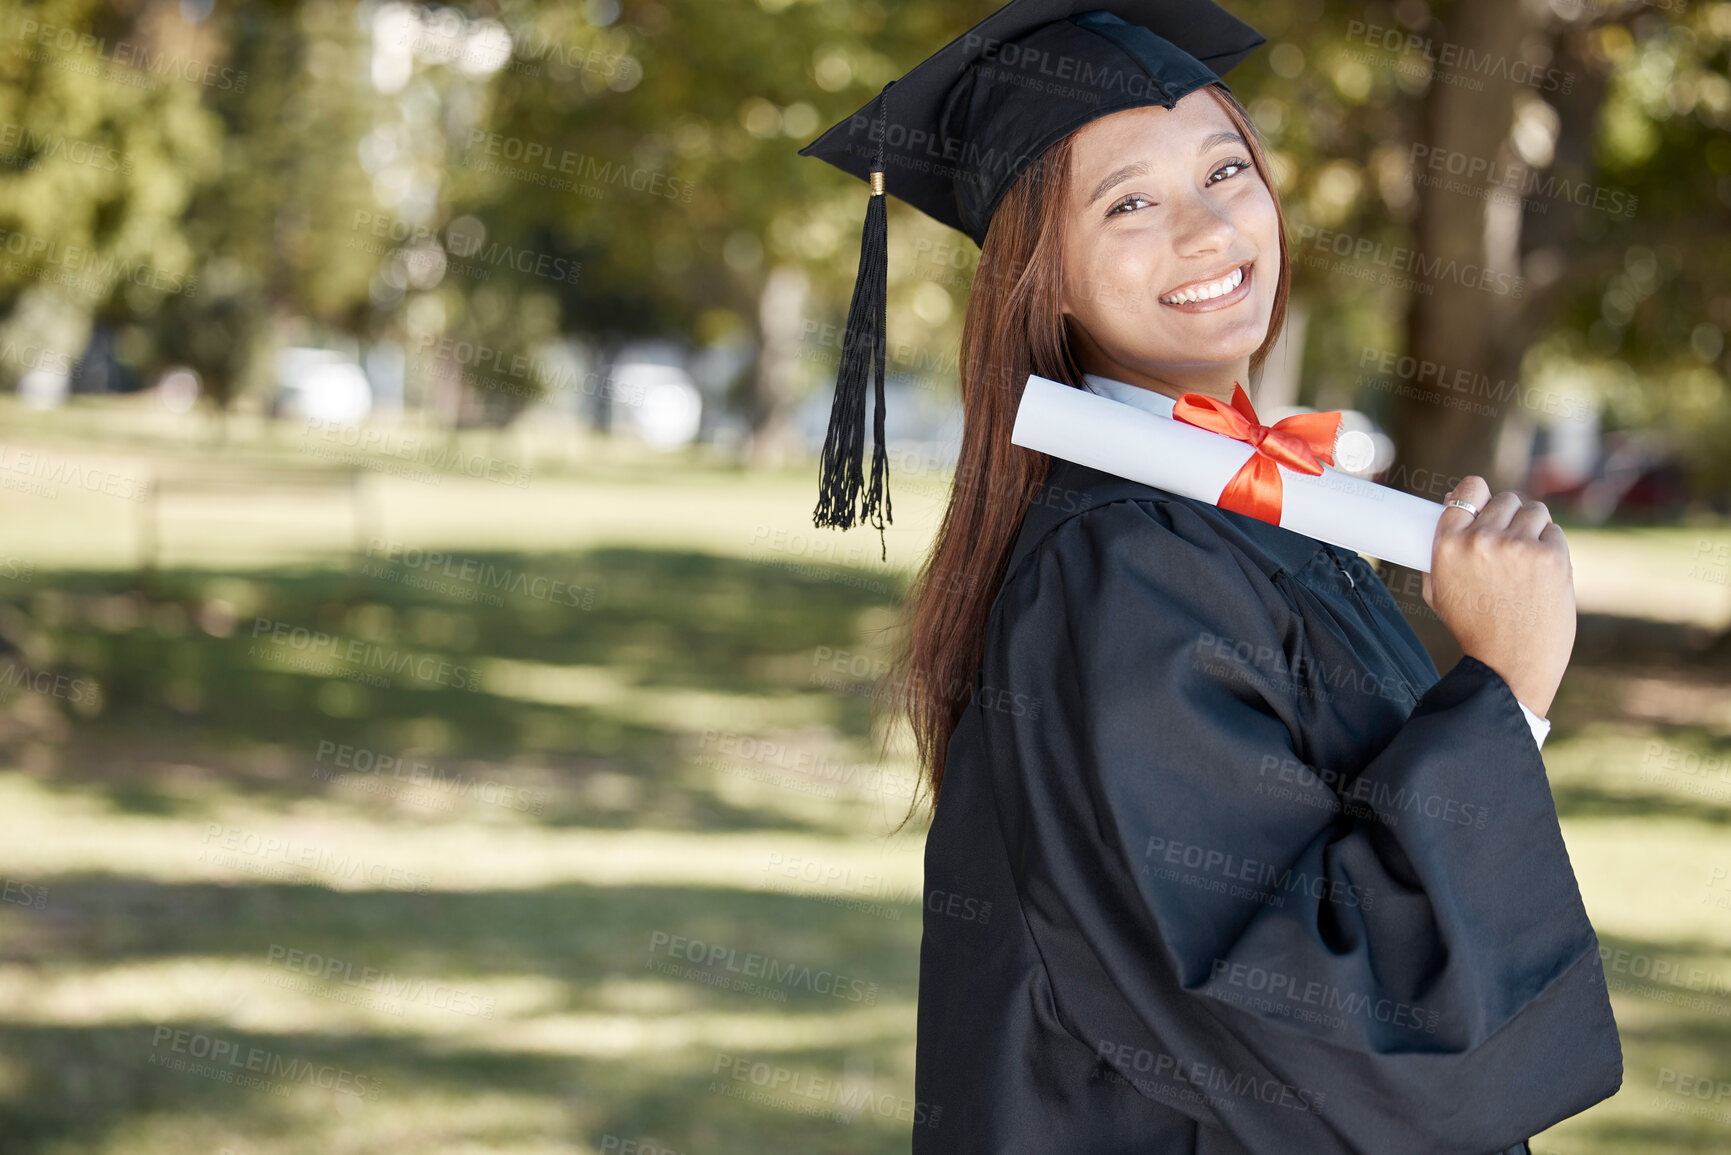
[1171,255]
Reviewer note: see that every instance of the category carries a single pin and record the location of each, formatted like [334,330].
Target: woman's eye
[1231,168]
[1128,202]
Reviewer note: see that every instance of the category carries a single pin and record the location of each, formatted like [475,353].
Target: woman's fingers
[1502,584]
[1472,488]
[1504,512]
[1530,520]
[1495,514]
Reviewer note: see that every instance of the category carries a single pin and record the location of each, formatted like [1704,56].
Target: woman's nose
[1202,226]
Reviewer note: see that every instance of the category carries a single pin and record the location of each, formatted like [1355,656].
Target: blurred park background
[422,692]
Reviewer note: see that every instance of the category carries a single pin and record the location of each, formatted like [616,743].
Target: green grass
[684,754]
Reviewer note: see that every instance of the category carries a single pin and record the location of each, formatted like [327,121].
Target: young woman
[1219,863]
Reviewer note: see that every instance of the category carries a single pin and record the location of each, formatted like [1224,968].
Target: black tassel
[842,472]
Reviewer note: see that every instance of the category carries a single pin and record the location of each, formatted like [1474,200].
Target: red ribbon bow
[1299,442]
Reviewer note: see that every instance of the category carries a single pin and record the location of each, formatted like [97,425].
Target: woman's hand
[1503,584]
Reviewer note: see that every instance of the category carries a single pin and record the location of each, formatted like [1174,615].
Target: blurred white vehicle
[658,402]
[322,385]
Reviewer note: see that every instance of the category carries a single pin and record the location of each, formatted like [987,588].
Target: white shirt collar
[1156,403]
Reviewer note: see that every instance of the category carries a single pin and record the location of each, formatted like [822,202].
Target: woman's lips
[1225,300]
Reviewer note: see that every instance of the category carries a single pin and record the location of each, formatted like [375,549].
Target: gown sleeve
[1390,955]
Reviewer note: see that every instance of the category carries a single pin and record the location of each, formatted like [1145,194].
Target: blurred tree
[105,145]
[1607,192]
[274,230]
[683,121]
[1641,310]
[1540,172]
[504,173]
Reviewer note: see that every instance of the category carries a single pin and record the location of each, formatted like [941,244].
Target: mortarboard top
[965,122]
[952,136]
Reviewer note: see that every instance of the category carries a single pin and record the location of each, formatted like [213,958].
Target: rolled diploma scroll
[1131,443]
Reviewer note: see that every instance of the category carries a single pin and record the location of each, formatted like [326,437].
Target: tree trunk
[1456,321]
[781,313]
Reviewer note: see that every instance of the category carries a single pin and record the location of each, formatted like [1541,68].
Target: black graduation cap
[954,134]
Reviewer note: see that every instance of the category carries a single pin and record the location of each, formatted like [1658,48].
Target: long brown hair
[1013,327]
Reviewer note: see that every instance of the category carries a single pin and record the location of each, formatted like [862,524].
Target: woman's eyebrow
[1129,170]
[1140,169]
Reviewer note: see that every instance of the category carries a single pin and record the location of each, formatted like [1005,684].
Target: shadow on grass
[1579,800]
[79,1084]
[89,1085]
[249,675]
[572,933]
[1672,998]
[187,712]
[82,1084]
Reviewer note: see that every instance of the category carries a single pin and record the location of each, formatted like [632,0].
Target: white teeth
[1208,292]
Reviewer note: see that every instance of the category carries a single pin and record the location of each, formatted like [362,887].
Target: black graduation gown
[1221,865]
